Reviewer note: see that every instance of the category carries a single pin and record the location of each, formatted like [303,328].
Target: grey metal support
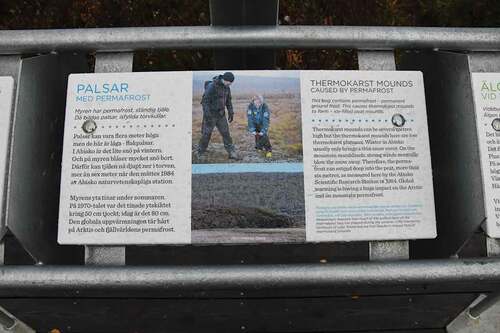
[127,280]
[485,304]
[114,62]
[9,65]
[34,157]
[6,322]
[10,324]
[197,37]
[376,61]
[238,13]
[105,255]
[493,247]
[455,156]
[109,255]
[389,250]
[481,62]
[492,250]
[480,316]
[385,250]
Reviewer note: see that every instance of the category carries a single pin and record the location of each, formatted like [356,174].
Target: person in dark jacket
[258,117]
[215,101]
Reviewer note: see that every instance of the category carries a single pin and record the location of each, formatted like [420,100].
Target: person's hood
[217,79]
[261,100]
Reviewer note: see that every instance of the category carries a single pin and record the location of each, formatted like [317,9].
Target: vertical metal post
[244,12]
[492,247]
[389,250]
[114,62]
[376,61]
[385,250]
[109,255]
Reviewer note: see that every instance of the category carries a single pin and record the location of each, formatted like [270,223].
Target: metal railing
[198,37]
[479,275]
[346,278]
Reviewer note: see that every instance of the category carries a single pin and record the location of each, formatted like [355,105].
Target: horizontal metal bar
[129,39]
[19,279]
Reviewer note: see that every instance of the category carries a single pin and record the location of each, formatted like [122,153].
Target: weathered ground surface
[272,193]
[248,207]
[285,131]
[240,217]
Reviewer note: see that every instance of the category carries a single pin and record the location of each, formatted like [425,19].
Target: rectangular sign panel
[367,167]
[6,96]
[486,90]
[126,170]
[245,157]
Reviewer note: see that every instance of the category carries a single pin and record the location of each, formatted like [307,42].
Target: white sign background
[172,90]
[6,92]
[487,109]
[421,198]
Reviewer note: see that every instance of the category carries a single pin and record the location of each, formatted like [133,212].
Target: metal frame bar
[242,12]
[19,279]
[364,38]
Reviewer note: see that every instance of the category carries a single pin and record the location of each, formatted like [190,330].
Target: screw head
[89,126]
[496,124]
[398,120]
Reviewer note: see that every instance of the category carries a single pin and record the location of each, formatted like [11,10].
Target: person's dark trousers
[262,142]
[207,126]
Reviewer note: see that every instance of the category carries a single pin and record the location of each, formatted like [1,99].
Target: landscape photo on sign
[247,173]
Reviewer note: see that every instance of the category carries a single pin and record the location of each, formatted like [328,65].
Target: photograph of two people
[250,114]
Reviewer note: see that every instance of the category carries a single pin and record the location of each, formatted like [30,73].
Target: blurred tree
[37,14]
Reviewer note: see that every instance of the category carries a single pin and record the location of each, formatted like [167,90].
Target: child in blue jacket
[258,116]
